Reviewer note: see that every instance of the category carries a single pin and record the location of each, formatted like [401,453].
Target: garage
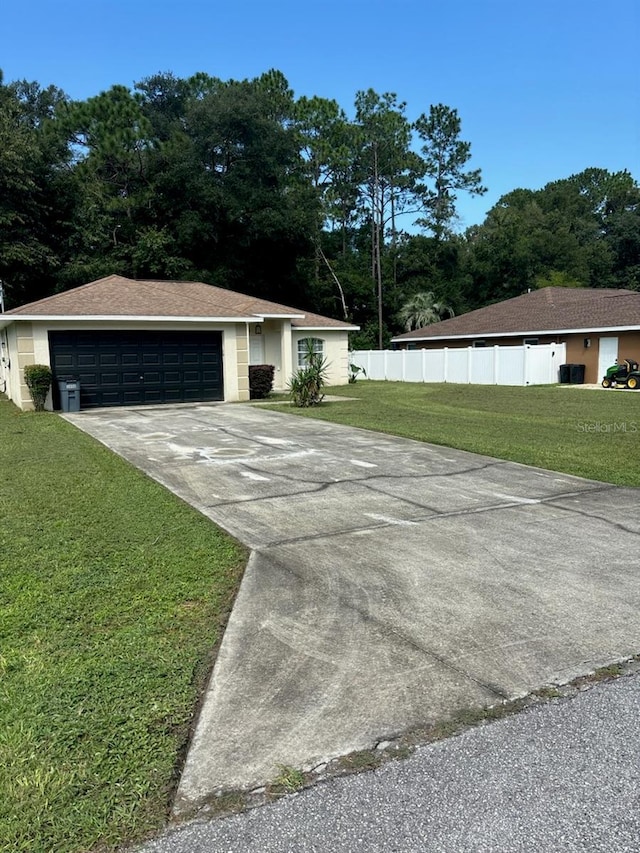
[139,367]
[134,343]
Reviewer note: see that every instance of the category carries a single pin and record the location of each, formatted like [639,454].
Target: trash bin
[576,374]
[565,374]
[69,395]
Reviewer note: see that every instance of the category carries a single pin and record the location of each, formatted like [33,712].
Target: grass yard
[590,433]
[113,596]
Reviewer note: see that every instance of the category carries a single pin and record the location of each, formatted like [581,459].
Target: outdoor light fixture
[587,343]
[258,329]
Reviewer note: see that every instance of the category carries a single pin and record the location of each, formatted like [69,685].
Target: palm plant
[422,309]
[306,384]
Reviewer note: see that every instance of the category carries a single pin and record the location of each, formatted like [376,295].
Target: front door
[607,355]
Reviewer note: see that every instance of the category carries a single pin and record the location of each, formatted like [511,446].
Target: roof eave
[326,328]
[474,335]
[281,316]
[6,319]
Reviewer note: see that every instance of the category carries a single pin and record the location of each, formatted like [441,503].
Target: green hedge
[260,380]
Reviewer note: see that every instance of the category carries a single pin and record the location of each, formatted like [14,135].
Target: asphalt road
[564,776]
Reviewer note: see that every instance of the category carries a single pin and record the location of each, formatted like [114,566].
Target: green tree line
[241,184]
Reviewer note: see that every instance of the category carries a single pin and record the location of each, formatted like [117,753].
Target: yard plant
[38,379]
[306,386]
[260,380]
[114,594]
[590,433]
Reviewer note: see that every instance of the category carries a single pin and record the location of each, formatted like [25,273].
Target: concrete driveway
[391,582]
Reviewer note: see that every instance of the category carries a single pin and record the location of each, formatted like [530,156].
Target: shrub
[354,371]
[260,380]
[306,384]
[38,378]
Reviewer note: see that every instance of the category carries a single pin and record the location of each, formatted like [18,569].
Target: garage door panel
[105,398]
[188,366]
[174,395]
[87,360]
[129,378]
[66,361]
[102,378]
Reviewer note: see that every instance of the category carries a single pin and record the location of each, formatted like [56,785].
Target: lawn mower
[626,375]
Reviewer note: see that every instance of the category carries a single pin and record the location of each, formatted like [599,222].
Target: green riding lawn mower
[625,375]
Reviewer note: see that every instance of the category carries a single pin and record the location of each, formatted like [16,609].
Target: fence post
[403,361]
[496,364]
[423,361]
[469,351]
[445,364]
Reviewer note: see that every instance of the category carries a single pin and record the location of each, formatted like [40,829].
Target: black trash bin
[69,395]
[576,374]
[565,374]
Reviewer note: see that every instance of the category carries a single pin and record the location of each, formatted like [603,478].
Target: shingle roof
[116,296]
[551,309]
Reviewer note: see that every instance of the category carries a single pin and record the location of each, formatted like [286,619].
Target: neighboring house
[597,325]
[147,342]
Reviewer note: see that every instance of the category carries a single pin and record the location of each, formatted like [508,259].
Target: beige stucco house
[131,342]
[597,325]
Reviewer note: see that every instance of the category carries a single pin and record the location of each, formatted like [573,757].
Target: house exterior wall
[336,351]
[576,353]
[238,387]
[21,352]
[504,341]
[277,336]
[28,343]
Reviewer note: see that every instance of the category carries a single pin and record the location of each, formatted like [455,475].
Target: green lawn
[113,595]
[591,433]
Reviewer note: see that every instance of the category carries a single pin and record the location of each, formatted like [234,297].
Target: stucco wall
[336,351]
[238,388]
[504,341]
[29,344]
[577,353]
[21,352]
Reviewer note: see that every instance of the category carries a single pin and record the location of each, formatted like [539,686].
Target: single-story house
[132,342]
[598,326]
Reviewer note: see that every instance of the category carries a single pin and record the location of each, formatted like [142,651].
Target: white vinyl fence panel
[523,365]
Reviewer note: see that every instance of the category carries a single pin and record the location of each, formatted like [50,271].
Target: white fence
[525,365]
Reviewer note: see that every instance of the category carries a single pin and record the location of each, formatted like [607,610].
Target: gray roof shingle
[549,309]
[116,296]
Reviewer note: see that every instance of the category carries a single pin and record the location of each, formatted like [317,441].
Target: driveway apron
[391,583]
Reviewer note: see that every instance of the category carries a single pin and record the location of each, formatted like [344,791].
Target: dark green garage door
[118,368]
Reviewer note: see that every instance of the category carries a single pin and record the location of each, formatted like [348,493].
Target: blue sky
[544,89]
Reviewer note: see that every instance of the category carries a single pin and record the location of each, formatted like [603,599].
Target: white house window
[303,349]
